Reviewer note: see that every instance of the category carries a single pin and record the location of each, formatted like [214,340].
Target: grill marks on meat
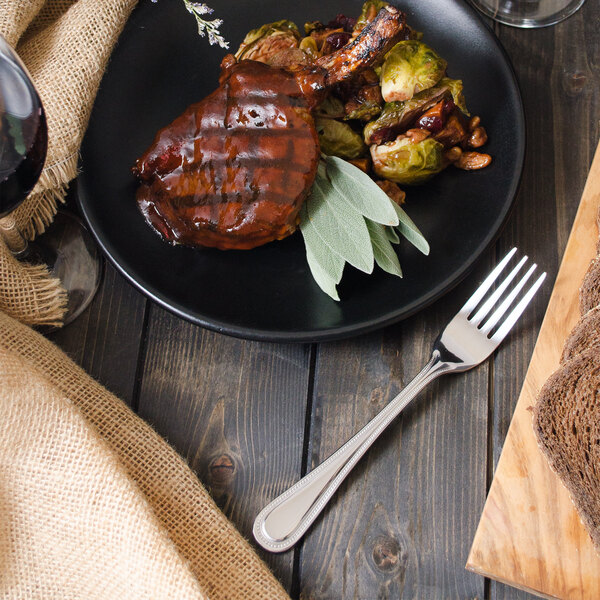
[234,169]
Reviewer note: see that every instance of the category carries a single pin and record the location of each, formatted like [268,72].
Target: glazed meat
[234,169]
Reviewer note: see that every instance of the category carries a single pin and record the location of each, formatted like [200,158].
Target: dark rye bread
[589,292]
[586,334]
[567,427]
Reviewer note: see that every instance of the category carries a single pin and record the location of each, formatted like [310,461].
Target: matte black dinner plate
[161,65]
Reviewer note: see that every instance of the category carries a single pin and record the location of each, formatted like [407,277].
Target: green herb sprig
[348,218]
[206,27]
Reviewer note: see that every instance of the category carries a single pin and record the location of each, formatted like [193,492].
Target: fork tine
[499,312]
[517,311]
[480,292]
[491,301]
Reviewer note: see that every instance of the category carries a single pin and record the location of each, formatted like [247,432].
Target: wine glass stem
[12,235]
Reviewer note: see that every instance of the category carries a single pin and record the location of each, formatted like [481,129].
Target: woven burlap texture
[72,524]
[223,563]
[66,45]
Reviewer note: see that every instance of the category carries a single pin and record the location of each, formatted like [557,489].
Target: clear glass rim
[525,22]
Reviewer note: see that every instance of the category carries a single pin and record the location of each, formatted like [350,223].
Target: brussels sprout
[407,162]
[308,45]
[263,43]
[339,139]
[455,86]
[365,102]
[397,117]
[364,110]
[409,68]
[369,11]
[331,107]
[313,26]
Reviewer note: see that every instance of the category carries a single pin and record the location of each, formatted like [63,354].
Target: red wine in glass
[23,133]
[66,247]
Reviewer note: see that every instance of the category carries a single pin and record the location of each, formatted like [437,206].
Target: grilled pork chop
[234,169]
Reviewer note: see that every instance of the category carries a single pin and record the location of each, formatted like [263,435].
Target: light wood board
[530,535]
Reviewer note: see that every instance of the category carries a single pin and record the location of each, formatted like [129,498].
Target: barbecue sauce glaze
[233,170]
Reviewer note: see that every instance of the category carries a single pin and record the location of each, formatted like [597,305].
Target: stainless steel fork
[465,342]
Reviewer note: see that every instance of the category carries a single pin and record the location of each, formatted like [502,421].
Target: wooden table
[251,418]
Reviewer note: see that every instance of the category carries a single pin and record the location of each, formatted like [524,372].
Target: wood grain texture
[559,78]
[396,528]
[105,339]
[234,409]
[529,533]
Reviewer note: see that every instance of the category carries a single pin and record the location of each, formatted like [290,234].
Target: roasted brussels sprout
[308,45]
[369,11]
[339,139]
[264,43]
[409,68]
[407,162]
[397,117]
[362,109]
[365,102]
[455,87]
[313,26]
[331,107]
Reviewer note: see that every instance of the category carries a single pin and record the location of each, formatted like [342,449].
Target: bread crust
[589,292]
[567,427]
[586,334]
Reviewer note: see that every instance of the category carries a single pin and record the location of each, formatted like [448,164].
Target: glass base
[71,254]
[528,13]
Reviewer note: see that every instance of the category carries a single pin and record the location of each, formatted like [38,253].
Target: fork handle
[285,520]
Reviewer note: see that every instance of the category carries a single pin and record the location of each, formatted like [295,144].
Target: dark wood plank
[105,339]
[558,74]
[400,526]
[235,409]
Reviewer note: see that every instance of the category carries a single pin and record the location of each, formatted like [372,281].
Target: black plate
[161,65]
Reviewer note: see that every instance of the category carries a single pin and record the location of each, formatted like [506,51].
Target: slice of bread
[567,427]
[586,334]
[589,292]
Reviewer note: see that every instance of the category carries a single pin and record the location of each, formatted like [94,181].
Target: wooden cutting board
[529,535]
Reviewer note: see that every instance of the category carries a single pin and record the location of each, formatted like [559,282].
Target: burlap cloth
[93,503]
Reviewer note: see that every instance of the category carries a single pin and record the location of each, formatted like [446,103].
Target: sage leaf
[392,235]
[361,191]
[410,231]
[340,227]
[329,262]
[349,218]
[384,253]
[322,278]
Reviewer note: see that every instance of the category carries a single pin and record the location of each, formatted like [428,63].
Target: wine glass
[528,13]
[66,247]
